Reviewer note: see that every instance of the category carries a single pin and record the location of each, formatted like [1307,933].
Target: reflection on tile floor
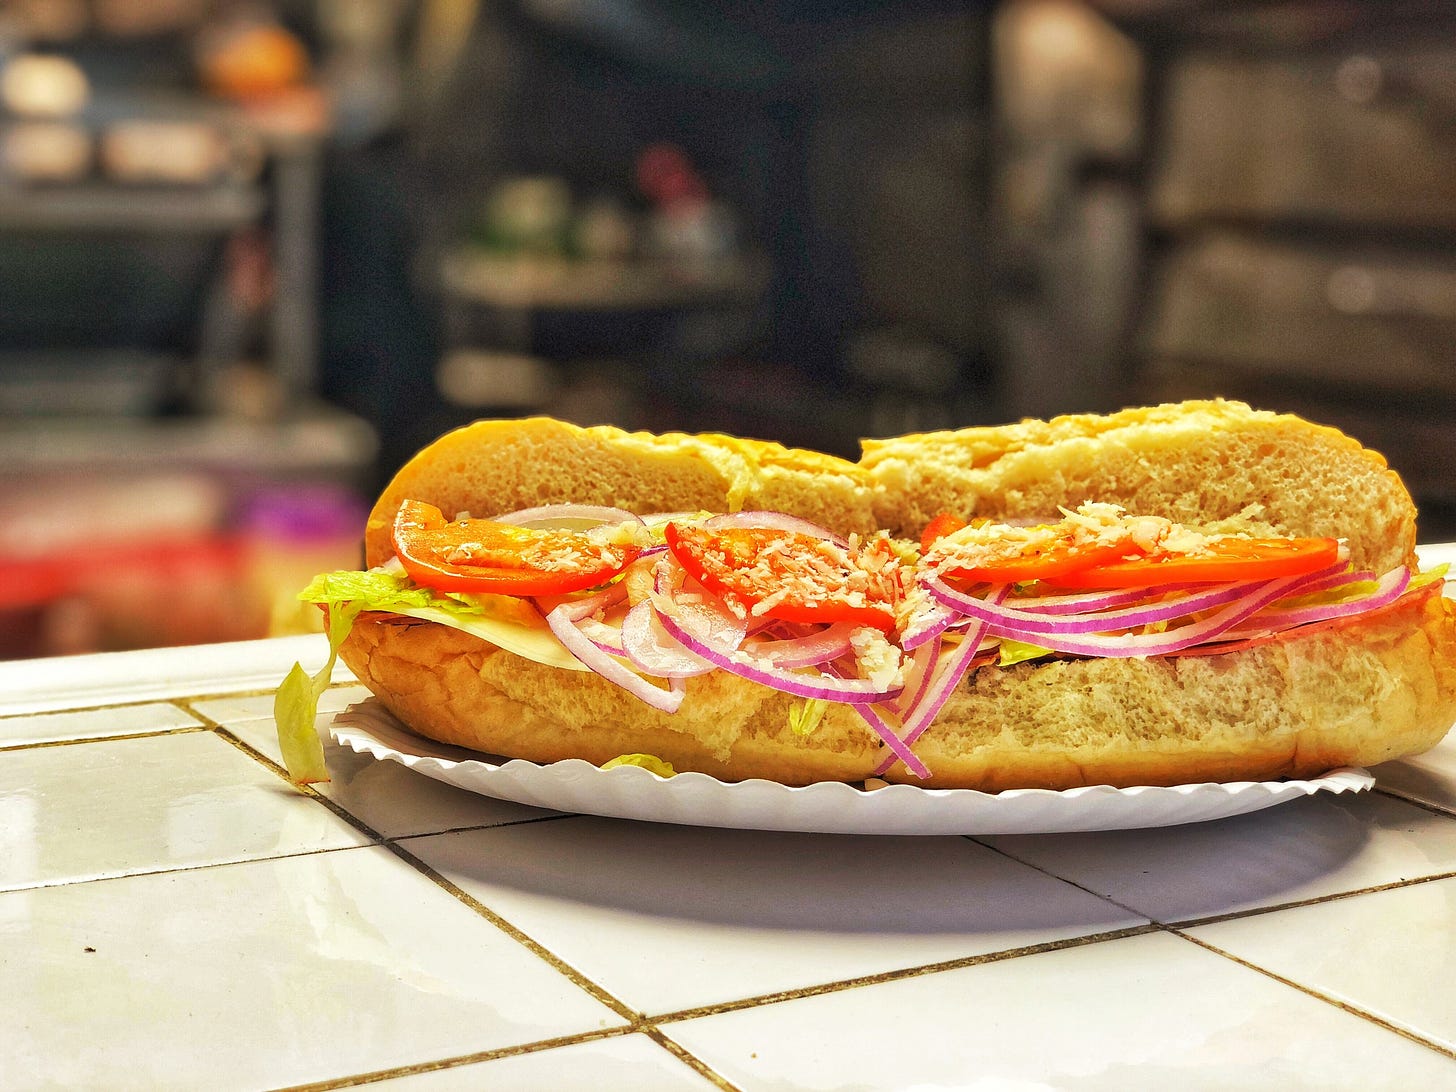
[1146,1012]
[216,927]
[670,918]
[1312,848]
[267,973]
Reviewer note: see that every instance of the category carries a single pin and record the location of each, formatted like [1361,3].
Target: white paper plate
[630,792]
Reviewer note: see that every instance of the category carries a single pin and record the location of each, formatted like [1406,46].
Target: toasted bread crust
[1365,691]
[1371,690]
[492,467]
[1197,462]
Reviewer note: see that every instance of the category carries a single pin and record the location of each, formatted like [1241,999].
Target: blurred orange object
[252,61]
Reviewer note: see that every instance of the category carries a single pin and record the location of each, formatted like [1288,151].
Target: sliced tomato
[1055,562]
[944,524]
[801,578]
[482,555]
[1223,560]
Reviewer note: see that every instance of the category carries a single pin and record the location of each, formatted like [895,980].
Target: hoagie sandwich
[1166,595]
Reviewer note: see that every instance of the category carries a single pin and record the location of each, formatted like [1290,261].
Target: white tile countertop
[175,915]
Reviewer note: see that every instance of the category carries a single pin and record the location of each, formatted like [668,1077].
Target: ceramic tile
[122,720]
[395,801]
[266,973]
[1386,952]
[1310,848]
[244,707]
[672,917]
[388,797]
[114,678]
[84,810]
[1145,1012]
[261,733]
[1429,778]
[622,1062]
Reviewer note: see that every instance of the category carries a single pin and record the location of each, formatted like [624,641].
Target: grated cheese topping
[1092,524]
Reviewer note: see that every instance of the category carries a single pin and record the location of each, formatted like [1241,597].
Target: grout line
[1232,915]
[1316,900]
[901,974]
[1178,929]
[357,1080]
[1425,805]
[689,1059]
[599,993]
[1063,879]
[74,741]
[170,699]
[651,1025]
[503,824]
[133,704]
[1309,991]
[172,870]
[455,1061]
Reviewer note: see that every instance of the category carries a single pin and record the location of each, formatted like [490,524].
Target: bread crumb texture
[1197,463]
[492,467]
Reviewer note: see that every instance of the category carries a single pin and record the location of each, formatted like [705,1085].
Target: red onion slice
[605,637]
[1019,621]
[1158,644]
[816,648]
[819,685]
[898,747]
[577,609]
[918,670]
[1085,602]
[1339,580]
[702,612]
[573,517]
[944,679]
[1387,590]
[579,645]
[648,645]
[929,622]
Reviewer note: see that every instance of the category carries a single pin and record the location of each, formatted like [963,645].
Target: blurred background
[253,255]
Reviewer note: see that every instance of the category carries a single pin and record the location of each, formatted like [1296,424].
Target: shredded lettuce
[295,706]
[382,589]
[1420,579]
[648,762]
[503,620]
[1015,652]
[804,716]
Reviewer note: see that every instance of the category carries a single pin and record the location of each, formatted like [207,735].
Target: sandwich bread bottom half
[1352,695]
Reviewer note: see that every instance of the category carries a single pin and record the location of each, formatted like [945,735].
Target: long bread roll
[1353,692]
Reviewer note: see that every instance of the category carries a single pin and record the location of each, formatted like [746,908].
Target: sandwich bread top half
[1212,463]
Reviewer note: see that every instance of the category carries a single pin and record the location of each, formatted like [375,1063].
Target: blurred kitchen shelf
[267,175]
[96,206]
[91,383]
[316,443]
[598,285]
